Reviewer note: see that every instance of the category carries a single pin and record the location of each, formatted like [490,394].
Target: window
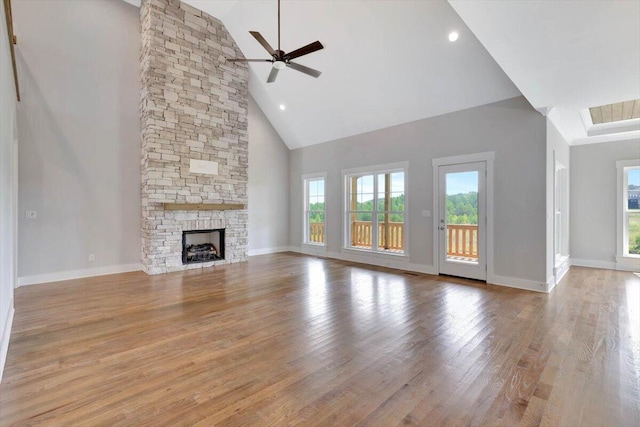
[612,118]
[314,210]
[561,217]
[628,209]
[375,215]
[615,112]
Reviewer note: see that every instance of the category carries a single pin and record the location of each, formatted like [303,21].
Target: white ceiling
[389,62]
[384,63]
[569,55]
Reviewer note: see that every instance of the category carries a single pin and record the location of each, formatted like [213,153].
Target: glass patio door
[462,220]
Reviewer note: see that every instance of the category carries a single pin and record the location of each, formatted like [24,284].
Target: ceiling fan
[281,59]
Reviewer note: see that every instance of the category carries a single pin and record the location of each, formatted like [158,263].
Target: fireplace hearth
[202,246]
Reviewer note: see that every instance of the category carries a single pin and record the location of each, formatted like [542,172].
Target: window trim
[609,129]
[622,232]
[560,193]
[305,196]
[372,170]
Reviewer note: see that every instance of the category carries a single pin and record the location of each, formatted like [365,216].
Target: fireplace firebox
[202,245]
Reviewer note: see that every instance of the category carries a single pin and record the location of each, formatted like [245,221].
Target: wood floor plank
[286,339]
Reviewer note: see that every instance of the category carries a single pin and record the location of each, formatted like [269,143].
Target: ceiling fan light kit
[281,59]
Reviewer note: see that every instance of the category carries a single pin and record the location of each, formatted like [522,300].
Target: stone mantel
[203,206]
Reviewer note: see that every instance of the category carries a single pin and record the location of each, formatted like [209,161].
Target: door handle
[442,227]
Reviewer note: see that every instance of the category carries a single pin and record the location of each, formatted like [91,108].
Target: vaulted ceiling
[566,56]
[384,63]
[390,62]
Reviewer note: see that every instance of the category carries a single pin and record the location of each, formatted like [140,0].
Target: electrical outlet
[30,215]
[92,257]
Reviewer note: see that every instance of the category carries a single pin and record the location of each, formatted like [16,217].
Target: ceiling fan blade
[265,44]
[272,75]
[305,50]
[309,71]
[248,60]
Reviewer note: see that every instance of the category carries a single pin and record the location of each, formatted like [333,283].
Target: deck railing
[462,239]
[316,232]
[361,232]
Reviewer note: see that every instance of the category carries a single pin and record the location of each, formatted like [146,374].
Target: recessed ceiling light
[282,107]
[453,36]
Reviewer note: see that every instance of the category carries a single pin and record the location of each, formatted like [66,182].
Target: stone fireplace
[194,135]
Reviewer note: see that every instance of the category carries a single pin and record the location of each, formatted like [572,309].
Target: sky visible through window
[633,182]
[634,177]
[462,183]
[365,186]
[316,191]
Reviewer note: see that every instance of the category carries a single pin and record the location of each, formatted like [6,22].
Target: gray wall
[80,134]
[8,177]
[593,198]
[511,128]
[268,184]
[557,151]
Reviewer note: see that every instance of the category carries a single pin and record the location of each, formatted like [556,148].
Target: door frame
[473,270]
[488,158]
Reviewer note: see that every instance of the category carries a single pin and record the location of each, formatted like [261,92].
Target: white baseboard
[77,274]
[558,273]
[593,263]
[400,264]
[6,336]
[265,251]
[320,251]
[514,282]
[624,263]
[607,265]
[563,272]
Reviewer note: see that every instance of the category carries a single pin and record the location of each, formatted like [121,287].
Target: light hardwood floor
[292,340]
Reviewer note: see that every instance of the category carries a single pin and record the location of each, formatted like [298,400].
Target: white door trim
[487,157]
[475,270]
[14,198]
